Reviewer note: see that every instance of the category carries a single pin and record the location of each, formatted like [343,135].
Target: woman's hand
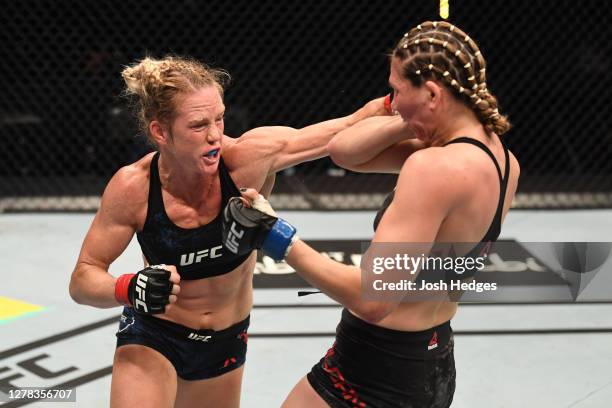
[249,222]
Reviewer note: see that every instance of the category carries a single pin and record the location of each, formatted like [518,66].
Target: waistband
[407,343]
[183,331]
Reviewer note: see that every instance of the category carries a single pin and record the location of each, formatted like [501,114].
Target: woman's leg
[303,395]
[142,377]
[217,392]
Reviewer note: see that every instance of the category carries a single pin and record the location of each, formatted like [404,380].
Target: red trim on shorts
[231,360]
[336,377]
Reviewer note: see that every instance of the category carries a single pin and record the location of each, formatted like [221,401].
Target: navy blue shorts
[374,367]
[195,354]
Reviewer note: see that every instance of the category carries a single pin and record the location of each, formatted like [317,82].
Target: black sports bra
[495,228]
[197,253]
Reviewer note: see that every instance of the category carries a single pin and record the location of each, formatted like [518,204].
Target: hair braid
[441,51]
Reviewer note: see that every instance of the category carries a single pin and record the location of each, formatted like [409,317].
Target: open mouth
[211,157]
[212,154]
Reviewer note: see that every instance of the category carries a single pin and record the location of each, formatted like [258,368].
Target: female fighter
[456,183]
[182,338]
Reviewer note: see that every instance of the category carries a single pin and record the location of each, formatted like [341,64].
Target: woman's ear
[434,93]
[159,134]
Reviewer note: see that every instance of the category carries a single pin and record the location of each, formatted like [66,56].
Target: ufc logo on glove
[247,228]
[232,238]
[141,286]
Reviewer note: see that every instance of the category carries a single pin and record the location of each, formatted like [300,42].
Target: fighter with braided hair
[456,182]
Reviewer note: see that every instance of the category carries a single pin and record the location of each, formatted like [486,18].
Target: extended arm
[425,192]
[378,144]
[414,216]
[274,148]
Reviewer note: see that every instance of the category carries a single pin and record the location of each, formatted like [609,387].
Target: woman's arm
[378,144]
[338,281]
[273,148]
[427,189]
[109,234]
[424,194]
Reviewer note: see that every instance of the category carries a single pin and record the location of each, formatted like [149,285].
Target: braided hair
[441,51]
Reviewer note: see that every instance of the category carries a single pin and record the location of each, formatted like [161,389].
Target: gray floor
[528,369]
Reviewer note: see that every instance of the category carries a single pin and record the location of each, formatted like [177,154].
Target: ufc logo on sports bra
[188,259]
[232,238]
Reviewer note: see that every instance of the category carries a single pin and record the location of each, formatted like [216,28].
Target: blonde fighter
[182,338]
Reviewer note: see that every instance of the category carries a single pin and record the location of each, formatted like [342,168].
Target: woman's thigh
[303,395]
[218,392]
[142,377]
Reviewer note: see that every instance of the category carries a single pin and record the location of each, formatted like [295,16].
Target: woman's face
[197,129]
[412,103]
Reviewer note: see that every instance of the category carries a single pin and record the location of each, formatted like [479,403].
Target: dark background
[64,129]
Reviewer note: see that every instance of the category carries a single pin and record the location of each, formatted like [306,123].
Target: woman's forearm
[338,281]
[365,140]
[93,286]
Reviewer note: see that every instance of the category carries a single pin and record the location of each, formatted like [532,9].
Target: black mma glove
[147,291]
[247,228]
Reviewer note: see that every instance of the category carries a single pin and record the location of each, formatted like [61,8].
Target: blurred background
[65,128]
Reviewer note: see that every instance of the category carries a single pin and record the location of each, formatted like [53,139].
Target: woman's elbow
[74,288]
[74,293]
[336,153]
[374,312]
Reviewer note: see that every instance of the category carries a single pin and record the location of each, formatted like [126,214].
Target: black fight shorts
[195,354]
[373,367]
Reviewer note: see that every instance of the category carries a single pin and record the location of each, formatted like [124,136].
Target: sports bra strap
[503,180]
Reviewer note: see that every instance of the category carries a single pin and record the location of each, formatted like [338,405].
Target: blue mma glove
[247,228]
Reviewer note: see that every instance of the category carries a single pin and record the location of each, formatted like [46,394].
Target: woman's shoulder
[129,186]
[432,161]
[434,173]
[135,174]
